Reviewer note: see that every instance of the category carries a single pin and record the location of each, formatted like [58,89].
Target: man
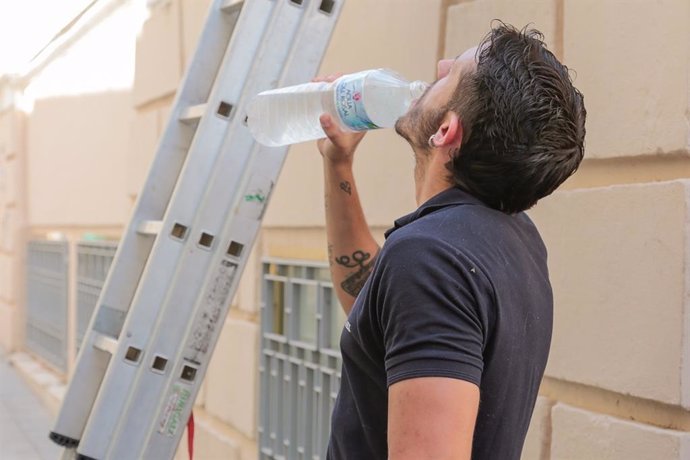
[449,323]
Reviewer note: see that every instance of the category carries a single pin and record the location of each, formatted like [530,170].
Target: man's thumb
[329,127]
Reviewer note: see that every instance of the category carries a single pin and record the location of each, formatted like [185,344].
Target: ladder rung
[193,113]
[105,343]
[150,227]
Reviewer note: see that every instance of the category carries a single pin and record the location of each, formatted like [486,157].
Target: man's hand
[339,146]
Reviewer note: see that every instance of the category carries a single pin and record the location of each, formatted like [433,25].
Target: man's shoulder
[410,242]
[423,249]
[456,225]
[463,235]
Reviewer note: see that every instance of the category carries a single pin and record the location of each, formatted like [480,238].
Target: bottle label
[350,105]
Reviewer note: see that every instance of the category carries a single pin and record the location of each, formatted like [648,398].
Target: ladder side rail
[172,151]
[133,250]
[165,254]
[243,225]
[222,195]
[209,54]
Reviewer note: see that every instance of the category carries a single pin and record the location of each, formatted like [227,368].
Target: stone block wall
[580,434]
[618,377]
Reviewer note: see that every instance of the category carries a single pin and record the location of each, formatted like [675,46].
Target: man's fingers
[327,78]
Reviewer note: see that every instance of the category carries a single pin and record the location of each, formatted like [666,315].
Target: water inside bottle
[291,115]
[385,104]
[268,114]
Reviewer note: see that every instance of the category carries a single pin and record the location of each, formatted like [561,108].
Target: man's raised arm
[351,246]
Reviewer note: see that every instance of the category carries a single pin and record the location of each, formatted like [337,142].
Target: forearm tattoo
[354,282]
[346,187]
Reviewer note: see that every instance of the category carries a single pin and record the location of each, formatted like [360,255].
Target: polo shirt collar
[450,197]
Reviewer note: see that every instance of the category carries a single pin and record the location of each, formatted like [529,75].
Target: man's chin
[400,129]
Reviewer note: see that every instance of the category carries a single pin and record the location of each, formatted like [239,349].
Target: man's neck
[431,175]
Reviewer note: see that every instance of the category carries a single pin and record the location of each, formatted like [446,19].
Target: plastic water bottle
[357,102]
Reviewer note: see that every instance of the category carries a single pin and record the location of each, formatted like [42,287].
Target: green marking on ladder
[258,196]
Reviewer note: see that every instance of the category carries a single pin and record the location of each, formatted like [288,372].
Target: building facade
[78,131]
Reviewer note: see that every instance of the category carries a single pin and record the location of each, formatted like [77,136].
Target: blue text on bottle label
[349,103]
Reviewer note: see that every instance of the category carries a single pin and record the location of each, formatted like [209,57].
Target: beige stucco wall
[12,223]
[79,103]
[76,163]
[618,379]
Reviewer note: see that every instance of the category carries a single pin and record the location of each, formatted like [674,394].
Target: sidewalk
[24,421]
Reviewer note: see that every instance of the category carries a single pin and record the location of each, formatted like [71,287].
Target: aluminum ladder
[178,264]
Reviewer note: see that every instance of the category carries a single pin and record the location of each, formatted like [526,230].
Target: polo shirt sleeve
[429,303]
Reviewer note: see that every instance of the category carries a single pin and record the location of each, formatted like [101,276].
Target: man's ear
[449,134]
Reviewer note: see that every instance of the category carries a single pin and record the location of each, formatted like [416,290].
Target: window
[300,359]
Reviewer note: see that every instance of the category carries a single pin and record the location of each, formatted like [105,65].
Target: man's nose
[443,67]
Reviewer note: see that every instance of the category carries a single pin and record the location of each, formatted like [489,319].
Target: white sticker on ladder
[170,420]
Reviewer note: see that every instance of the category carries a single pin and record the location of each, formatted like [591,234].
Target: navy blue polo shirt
[458,290]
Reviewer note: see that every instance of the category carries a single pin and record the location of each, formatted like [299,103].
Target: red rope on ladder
[190,436]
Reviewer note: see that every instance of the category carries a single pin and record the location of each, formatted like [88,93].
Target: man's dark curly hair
[523,121]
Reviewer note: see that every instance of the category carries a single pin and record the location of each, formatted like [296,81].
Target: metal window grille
[93,263]
[46,318]
[300,359]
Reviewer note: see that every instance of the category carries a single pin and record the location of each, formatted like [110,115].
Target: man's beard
[418,125]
